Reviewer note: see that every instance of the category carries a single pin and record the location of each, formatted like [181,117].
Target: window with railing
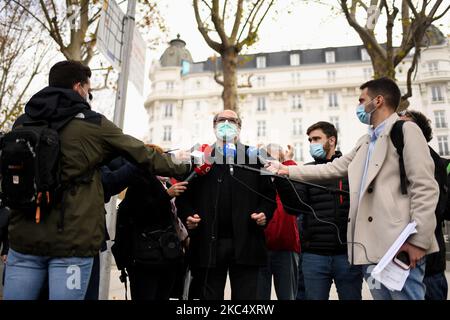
[261,104]
[433,66]
[439,119]
[295,76]
[261,128]
[368,73]
[261,81]
[296,127]
[332,100]
[334,120]
[298,152]
[169,86]
[331,75]
[168,110]
[443,146]
[436,94]
[167,133]
[296,102]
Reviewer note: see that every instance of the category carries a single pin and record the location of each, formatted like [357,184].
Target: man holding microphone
[379,211]
[225,212]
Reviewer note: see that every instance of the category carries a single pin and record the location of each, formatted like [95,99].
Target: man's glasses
[236,121]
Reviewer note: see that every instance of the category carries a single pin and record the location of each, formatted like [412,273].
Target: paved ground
[117,291]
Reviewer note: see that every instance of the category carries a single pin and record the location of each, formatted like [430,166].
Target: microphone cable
[310,208]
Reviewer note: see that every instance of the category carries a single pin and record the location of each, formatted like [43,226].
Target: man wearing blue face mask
[379,210]
[225,212]
[324,256]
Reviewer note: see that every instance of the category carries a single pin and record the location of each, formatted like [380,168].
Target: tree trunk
[229,94]
[383,68]
[73,51]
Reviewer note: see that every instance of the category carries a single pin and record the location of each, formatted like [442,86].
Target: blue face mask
[362,115]
[226,131]
[317,151]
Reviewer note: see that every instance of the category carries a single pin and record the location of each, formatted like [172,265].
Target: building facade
[290,91]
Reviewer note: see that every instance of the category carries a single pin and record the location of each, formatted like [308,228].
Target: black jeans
[148,282]
[243,278]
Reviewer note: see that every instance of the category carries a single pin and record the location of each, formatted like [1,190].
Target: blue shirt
[374,134]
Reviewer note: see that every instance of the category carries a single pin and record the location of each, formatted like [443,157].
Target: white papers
[386,271]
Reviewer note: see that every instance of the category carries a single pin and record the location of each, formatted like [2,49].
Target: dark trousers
[243,278]
[301,294]
[436,287]
[152,282]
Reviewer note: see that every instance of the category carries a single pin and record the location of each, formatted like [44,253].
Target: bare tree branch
[33,15]
[367,38]
[54,33]
[237,21]
[219,24]
[249,82]
[411,69]
[224,10]
[208,5]
[201,27]
[248,19]
[442,14]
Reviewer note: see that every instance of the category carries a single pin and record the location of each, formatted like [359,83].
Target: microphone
[229,151]
[203,166]
[260,154]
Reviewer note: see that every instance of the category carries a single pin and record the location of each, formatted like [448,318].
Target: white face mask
[87,96]
[226,131]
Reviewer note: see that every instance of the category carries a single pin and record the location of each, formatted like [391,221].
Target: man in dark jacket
[434,279]
[324,245]
[226,211]
[63,244]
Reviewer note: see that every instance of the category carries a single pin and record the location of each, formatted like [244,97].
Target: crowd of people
[241,217]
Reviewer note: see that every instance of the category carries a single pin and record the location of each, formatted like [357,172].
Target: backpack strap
[398,142]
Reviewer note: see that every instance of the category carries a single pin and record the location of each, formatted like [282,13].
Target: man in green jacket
[63,244]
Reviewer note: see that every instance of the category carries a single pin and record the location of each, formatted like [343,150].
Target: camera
[402,260]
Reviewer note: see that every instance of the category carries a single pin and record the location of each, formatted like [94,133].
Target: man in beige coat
[378,210]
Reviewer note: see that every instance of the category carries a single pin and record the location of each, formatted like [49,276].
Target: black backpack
[443,207]
[30,168]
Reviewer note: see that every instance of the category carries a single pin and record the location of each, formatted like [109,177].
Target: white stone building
[291,90]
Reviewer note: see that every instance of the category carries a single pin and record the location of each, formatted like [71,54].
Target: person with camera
[147,244]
